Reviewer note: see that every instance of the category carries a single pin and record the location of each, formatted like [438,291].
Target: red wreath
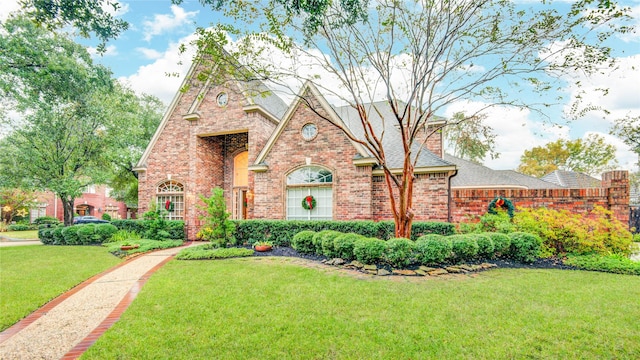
[168,205]
[309,202]
[499,202]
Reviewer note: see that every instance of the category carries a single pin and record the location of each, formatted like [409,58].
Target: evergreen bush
[303,242]
[399,252]
[525,247]
[343,245]
[433,249]
[369,250]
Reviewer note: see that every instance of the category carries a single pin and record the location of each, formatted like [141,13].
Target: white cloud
[110,50]
[122,9]
[152,78]
[149,53]
[162,23]
[8,6]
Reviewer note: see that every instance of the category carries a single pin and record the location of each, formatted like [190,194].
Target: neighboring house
[267,157]
[572,179]
[95,201]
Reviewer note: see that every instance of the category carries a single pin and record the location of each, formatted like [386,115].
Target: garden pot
[129,247]
[263,248]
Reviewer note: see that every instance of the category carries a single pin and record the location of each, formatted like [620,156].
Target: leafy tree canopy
[470,139]
[591,156]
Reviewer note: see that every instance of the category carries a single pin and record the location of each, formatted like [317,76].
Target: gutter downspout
[450,199]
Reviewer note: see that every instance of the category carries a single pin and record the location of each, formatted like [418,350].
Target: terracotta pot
[263,248]
[129,247]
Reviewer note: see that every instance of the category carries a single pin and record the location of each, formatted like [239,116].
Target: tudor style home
[269,157]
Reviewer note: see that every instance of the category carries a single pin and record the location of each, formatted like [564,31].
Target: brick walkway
[68,325]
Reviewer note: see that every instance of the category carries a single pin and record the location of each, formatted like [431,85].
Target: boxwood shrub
[326,244]
[501,243]
[303,242]
[433,249]
[343,245]
[525,247]
[281,232]
[18,227]
[486,249]
[154,229]
[399,252]
[464,247]
[369,250]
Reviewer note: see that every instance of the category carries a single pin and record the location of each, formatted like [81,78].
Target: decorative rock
[383,272]
[437,272]
[355,264]
[426,268]
[372,272]
[404,272]
[336,261]
[488,265]
[476,267]
[466,267]
[420,272]
[455,270]
[371,267]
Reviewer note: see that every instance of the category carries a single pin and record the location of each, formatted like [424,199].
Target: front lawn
[23,235]
[274,308]
[31,276]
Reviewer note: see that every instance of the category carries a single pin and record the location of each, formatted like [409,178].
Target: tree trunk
[401,207]
[67,205]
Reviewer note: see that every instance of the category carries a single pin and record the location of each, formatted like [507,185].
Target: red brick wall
[187,151]
[430,201]
[330,149]
[614,195]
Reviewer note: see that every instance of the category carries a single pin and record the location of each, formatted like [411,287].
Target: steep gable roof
[308,87]
[378,112]
[257,95]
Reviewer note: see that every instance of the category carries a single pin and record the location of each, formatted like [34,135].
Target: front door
[240,185]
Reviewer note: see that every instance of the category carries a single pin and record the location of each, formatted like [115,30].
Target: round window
[309,131]
[222,99]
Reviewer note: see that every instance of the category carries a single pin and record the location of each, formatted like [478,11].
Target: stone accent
[383,272]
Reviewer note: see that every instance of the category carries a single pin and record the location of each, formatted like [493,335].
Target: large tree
[75,117]
[591,155]
[418,57]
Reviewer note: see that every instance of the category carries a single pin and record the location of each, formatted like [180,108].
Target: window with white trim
[312,181]
[170,197]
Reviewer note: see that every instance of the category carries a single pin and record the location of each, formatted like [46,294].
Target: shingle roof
[257,93]
[475,175]
[391,138]
[572,179]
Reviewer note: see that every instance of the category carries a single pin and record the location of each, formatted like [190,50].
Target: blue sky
[144,54]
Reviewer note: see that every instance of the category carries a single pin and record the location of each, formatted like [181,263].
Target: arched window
[170,196]
[310,180]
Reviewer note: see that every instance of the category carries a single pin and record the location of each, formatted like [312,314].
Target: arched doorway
[240,184]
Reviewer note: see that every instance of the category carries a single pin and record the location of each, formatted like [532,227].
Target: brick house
[95,200]
[268,157]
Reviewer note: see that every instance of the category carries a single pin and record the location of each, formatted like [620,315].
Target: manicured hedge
[154,229]
[84,234]
[281,232]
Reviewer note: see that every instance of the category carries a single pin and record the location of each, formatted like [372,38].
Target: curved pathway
[65,327]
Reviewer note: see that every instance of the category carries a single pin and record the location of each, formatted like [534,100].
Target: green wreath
[168,205]
[501,203]
[309,202]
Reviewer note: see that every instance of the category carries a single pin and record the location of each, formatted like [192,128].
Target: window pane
[310,175]
[324,203]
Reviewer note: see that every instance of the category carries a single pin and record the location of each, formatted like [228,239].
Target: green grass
[145,246]
[270,308]
[25,235]
[31,276]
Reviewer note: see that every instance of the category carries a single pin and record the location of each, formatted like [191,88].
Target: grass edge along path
[31,276]
[273,308]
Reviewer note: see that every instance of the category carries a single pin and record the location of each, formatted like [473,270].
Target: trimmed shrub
[171,229]
[303,242]
[56,234]
[369,250]
[328,249]
[617,264]
[86,233]
[464,247]
[486,249]
[45,234]
[525,247]
[206,252]
[46,220]
[399,252]
[343,245]
[105,231]
[18,227]
[70,234]
[106,216]
[433,249]
[501,243]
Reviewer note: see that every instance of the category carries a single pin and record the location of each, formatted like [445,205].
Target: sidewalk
[65,327]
